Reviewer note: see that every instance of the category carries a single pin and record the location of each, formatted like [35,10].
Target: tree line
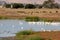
[46,4]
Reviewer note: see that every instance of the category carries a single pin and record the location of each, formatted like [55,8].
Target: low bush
[32,19]
[24,32]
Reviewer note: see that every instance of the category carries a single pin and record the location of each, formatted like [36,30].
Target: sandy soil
[53,35]
[53,14]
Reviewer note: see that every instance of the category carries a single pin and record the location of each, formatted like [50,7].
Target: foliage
[8,5]
[32,19]
[28,35]
[40,6]
[25,32]
[18,5]
[30,6]
[50,4]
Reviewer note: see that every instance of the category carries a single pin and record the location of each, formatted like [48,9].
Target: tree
[15,5]
[21,6]
[40,6]
[8,5]
[18,5]
[30,6]
[49,4]
[56,5]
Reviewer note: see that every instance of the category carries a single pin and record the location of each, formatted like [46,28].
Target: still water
[10,27]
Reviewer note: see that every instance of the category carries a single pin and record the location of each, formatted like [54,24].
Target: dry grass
[52,14]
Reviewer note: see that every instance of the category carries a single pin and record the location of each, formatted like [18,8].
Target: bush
[24,33]
[8,5]
[2,17]
[32,19]
[29,37]
[30,6]
[18,5]
[40,6]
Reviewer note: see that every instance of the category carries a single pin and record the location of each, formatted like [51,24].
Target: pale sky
[29,1]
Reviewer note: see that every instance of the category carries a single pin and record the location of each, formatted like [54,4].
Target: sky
[29,1]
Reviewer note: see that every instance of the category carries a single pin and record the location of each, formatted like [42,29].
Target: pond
[10,27]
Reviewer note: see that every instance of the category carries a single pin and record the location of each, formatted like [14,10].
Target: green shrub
[8,5]
[1,17]
[24,32]
[30,6]
[35,38]
[32,19]
[18,5]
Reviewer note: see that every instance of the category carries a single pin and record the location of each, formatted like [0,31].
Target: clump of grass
[32,19]
[24,32]
[36,38]
[46,20]
[29,35]
[35,19]
[1,17]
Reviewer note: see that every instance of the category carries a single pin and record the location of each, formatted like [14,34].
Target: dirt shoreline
[53,35]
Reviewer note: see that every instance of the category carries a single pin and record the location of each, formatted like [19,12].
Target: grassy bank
[41,35]
[30,19]
[36,19]
[28,35]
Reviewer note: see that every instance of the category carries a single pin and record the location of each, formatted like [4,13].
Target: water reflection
[14,26]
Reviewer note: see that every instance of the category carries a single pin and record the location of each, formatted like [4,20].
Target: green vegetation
[8,5]
[32,19]
[46,20]
[17,5]
[30,6]
[50,4]
[28,35]
[1,17]
[25,32]
[36,19]
[22,35]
